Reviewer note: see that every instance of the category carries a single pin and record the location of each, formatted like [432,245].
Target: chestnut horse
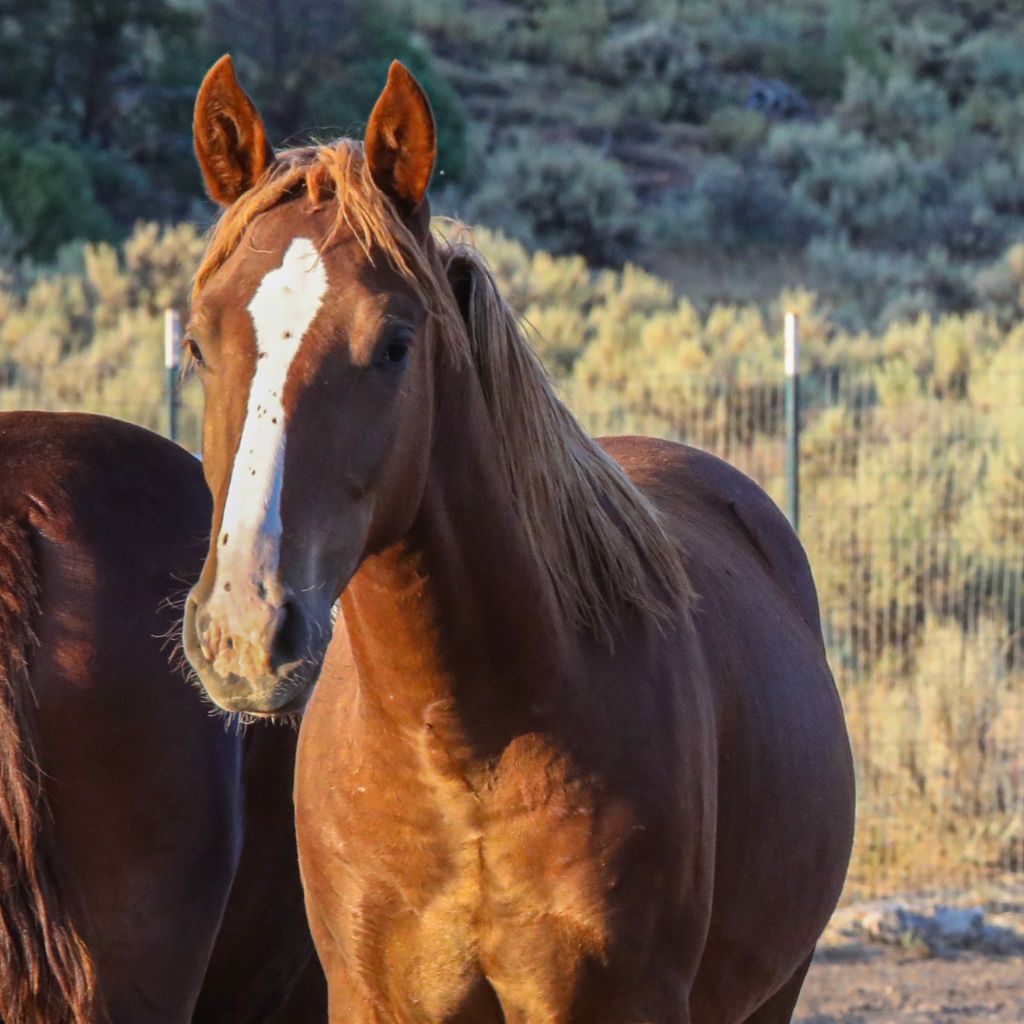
[575,753]
[148,872]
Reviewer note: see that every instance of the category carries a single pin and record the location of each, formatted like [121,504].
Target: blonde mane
[599,538]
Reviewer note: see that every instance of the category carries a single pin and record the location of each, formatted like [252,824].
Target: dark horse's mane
[601,541]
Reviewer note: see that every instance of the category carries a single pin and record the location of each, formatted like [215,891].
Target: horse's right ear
[230,140]
[401,142]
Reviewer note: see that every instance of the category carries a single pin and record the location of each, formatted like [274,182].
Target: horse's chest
[501,873]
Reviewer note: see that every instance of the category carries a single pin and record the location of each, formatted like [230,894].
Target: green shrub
[810,53]
[967,227]
[750,204]
[736,130]
[660,67]
[992,60]
[10,244]
[1001,181]
[815,57]
[1000,286]
[681,220]
[860,281]
[795,149]
[899,109]
[574,29]
[563,196]
[883,198]
[923,49]
[46,193]
[812,68]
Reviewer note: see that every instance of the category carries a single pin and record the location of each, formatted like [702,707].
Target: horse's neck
[459,613]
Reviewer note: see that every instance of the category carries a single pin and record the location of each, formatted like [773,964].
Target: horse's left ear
[230,140]
[401,142]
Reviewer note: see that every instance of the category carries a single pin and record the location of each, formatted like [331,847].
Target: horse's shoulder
[706,499]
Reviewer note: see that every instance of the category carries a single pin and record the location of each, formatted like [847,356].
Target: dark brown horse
[575,753]
[147,857]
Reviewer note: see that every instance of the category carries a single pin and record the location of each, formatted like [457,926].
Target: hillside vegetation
[660,180]
[869,151]
[912,471]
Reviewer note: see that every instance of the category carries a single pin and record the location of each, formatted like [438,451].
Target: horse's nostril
[201,631]
[287,644]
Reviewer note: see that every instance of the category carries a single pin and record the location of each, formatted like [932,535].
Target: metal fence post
[793,419]
[172,360]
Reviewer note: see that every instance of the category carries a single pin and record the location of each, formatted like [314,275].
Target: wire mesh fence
[912,513]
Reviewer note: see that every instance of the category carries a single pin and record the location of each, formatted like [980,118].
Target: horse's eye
[395,354]
[195,351]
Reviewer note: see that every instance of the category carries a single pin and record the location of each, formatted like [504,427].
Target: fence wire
[912,513]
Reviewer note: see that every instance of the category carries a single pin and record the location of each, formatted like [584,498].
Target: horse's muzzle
[261,664]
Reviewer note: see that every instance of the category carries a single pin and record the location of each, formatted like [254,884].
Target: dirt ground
[890,987]
[885,962]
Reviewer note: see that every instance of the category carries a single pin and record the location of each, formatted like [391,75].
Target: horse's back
[785,783]
[706,501]
[116,486]
[143,787]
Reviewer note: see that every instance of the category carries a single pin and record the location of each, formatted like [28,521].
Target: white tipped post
[792,345]
[172,360]
[172,339]
[793,418]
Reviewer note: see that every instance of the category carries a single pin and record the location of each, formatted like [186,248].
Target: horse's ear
[401,143]
[230,140]
[459,272]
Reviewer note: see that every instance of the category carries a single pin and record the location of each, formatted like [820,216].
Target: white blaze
[283,308]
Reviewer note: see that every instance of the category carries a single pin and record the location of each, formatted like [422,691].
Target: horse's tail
[46,973]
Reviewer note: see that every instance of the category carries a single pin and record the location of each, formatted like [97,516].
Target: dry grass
[912,497]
